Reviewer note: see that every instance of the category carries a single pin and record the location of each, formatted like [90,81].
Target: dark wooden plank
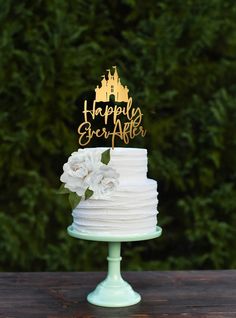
[164,294]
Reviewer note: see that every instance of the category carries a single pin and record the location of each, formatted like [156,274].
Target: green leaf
[106,156]
[88,193]
[74,199]
[63,190]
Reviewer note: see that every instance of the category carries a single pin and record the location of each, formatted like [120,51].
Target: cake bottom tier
[131,210]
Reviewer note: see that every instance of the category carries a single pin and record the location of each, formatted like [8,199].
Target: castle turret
[103,81]
[109,74]
[115,75]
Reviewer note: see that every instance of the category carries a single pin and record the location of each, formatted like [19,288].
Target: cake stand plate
[114,291]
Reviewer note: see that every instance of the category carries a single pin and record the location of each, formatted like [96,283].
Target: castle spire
[109,73]
[103,81]
[115,73]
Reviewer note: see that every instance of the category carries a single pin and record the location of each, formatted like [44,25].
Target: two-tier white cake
[131,208]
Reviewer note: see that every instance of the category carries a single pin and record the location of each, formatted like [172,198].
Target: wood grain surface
[164,294]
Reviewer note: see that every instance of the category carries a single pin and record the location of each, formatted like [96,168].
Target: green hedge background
[178,59]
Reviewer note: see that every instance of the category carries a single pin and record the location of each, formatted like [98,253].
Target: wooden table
[164,294]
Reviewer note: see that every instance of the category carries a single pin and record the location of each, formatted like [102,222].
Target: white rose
[80,165]
[103,182]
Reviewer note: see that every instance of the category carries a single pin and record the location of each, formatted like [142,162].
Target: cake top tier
[130,163]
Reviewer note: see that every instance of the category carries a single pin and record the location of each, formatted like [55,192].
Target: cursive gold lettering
[125,131]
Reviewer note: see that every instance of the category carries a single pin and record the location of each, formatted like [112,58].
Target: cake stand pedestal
[114,291]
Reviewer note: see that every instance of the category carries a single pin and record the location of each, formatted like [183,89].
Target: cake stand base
[114,291]
[108,294]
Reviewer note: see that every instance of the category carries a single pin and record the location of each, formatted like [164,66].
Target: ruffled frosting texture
[131,209]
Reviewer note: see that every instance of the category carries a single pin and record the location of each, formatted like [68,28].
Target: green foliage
[63,190]
[88,193]
[106,156]
[74,200]
[178,60]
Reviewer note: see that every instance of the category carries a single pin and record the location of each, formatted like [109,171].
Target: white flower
[79,165]
[84,169]
[103,182]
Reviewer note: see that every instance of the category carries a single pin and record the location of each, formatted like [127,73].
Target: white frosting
[131,209]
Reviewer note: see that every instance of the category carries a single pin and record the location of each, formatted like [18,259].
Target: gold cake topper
[111,87]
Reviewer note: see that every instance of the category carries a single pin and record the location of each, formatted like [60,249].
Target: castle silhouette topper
[111,87]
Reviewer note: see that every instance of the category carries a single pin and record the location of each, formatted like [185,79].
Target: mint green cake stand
[114,291]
